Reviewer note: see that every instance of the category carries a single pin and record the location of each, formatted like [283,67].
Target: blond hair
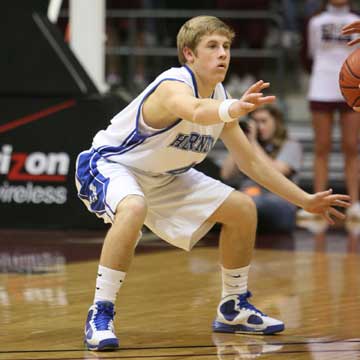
[194,29]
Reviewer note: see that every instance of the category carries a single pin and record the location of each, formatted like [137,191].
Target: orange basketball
[349,79]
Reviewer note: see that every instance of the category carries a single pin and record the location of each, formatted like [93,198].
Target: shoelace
[244,304]
[105,313]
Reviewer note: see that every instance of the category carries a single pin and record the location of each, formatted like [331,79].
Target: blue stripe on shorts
[93,185]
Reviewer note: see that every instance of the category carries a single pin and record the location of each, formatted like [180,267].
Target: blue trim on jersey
[193,80]
[225,92]
[141,104]
[128,141]
[129,148]
[135,138]
[132,141]
[195,83]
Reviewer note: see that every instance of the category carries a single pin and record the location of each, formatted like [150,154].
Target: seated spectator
[267,133]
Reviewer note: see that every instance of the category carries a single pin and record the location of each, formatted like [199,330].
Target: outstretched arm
[263,173]
[353,28]
[176,100]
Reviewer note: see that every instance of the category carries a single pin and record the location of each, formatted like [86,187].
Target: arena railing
[132,50]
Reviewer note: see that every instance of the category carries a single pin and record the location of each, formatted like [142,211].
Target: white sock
[234,281]
[108,283]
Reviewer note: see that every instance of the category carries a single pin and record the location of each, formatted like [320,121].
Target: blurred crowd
[256,32]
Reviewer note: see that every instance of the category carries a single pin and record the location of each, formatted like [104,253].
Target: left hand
[323,203]
[353,28]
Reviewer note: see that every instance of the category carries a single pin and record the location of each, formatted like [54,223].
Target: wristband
[224,110]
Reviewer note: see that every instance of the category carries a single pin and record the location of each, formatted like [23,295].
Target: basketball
[349,79]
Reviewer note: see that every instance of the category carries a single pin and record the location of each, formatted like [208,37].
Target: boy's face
[339,2]
[266,124]
[211,57]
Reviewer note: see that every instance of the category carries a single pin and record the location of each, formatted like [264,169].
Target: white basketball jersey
[175,149]
[329,50]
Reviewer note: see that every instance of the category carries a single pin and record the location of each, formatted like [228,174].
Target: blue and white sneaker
[99,327]
[236,315]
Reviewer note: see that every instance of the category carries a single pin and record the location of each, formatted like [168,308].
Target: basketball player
[140,170]
[353,28]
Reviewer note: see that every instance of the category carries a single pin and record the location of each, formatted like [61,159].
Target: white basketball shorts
[178,205]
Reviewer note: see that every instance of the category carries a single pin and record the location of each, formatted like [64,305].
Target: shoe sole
[104,345]
[243,329]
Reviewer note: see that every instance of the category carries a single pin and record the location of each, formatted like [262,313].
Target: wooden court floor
[169,299]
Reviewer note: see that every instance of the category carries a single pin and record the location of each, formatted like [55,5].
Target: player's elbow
[197,114]
[202,116]
[196,118]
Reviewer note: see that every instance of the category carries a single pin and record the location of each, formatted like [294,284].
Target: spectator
[328,49]
[267,133]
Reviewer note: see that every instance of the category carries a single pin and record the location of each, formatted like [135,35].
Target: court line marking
[192,355]
[185,346]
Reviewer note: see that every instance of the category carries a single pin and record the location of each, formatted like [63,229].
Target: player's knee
[322,148]
[249,206]
[245,210]
[350,148]
[133,207]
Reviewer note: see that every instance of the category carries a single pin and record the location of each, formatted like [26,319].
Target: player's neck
[337,9]
[204,86]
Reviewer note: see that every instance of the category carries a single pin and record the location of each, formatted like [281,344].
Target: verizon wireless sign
[40,138]
[33,178]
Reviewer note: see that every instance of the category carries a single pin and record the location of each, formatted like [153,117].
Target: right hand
[251,100]
[352,28]
[324,203]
